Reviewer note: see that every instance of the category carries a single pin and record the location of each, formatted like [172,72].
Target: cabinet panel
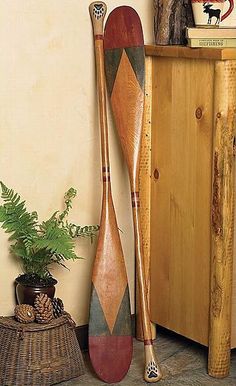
[182,125]
[192,260]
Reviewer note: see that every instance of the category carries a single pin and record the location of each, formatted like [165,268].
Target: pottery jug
[212,13]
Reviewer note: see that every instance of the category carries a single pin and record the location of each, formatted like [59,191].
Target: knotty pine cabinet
[188,195]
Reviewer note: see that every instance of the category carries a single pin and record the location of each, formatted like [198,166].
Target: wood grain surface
[194,117]
[181,195]
[110,338]
[145,192]
[171,17]
[190,53]
[222,219]
[125,64]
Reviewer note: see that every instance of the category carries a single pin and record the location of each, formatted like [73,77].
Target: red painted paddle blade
[123,29]
[125,77]
[110,350]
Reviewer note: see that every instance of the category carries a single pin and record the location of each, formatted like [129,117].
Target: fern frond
[60,246]
[19,250]
[55,240]
[40,245]
[15,218]
[68,197]
[79,231]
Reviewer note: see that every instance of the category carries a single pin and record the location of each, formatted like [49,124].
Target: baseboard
[82,333]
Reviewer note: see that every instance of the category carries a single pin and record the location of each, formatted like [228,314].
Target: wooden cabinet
[192,119]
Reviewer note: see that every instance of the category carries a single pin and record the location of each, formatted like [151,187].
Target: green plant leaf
[40,245]
[55,240]
[15,218]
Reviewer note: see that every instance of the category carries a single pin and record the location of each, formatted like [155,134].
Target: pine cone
[58,307]
[43,308]
[24,313]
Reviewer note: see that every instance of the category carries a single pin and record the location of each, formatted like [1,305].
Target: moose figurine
[211,13]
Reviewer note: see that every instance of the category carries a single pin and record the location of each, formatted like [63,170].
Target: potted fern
[39,245]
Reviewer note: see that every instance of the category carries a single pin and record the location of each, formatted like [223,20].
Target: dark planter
[26,293]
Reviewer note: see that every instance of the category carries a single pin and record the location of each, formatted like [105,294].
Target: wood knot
[216,298]
[156,174]
[218,115]
[198,113]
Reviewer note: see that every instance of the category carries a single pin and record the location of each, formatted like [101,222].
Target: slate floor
[183,363]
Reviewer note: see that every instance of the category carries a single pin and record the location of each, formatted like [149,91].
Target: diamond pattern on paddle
[110,290]
[126,86]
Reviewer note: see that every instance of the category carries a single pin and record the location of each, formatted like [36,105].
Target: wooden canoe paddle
[125,70]
[110,337]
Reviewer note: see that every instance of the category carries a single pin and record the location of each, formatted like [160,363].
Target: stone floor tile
[184,363]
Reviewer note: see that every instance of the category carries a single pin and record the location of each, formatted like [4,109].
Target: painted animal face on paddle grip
[97,11]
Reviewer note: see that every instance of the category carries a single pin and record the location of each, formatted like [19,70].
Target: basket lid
[12,323]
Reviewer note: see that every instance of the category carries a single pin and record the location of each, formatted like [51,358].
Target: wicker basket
[38,355]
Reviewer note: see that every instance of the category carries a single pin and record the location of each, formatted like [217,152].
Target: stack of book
[211,37]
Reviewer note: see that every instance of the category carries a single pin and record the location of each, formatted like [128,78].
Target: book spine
[211,33]
[214,43]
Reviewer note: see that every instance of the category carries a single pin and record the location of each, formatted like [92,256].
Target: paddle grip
[98,11]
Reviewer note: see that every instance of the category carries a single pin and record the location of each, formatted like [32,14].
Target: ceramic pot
[210,13]
[26,294]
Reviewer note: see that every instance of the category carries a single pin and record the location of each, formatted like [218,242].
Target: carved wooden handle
[98,11]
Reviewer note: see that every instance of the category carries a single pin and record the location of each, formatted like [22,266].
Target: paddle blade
[123,26]
[125,72]
[110,351]
[110,335]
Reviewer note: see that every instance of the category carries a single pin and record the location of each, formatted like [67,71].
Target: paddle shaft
[147,335]
[99,58]
[150,357]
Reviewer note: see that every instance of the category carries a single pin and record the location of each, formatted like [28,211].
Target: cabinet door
[181,195]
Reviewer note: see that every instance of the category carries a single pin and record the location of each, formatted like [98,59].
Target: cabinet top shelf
[191,53]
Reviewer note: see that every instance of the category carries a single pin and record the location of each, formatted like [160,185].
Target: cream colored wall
[49,137]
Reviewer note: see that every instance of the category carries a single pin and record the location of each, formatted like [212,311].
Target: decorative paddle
[110,338]
[125,69]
